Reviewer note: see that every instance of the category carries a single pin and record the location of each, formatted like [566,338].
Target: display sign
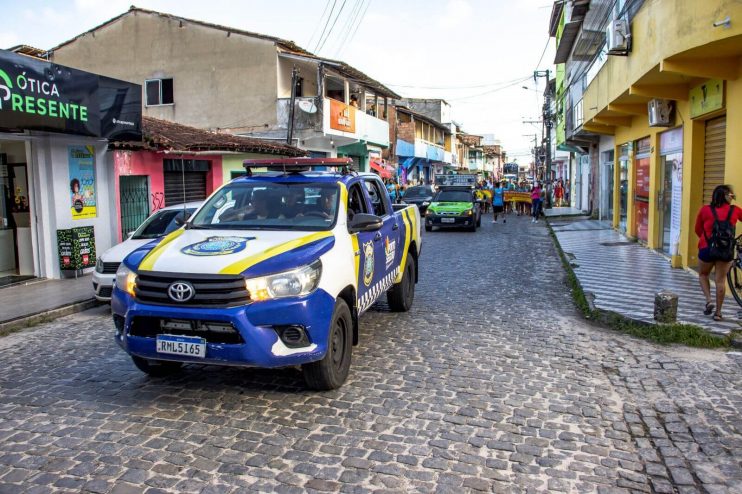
[671,141]
[40,95]
[641,209]
[342,116]
[677,201]
[76,247]
[511,196]
[462,180]
[707,97]
[642,178]
[82,182]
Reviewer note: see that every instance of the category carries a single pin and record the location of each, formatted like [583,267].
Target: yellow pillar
[653,229]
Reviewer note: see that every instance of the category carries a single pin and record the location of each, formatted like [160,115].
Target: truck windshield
[274,206]
[453,196]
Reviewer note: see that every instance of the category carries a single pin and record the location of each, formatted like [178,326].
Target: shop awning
[384,170]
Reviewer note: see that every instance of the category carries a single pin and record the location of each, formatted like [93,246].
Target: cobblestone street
[492,382]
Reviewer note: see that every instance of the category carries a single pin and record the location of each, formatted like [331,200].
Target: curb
[606,317]
[17,324]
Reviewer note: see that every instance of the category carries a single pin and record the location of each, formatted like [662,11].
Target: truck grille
[211,331]
[110,267]
[210,290]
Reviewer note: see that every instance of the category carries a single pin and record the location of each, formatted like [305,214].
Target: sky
[475,54]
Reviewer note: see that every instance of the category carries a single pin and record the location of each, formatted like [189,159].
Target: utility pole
[546,118]
[292,105]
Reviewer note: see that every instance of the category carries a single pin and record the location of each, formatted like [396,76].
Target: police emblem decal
[217,246]
[368,263]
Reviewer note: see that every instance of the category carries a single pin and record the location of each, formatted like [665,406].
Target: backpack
[721,243]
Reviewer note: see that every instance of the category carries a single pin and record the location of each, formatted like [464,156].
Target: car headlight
[468,212]
[294,283]
[99,265]
[126,279]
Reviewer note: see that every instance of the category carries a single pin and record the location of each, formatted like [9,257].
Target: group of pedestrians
[495,197]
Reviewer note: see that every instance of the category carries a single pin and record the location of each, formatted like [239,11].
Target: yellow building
[685,54]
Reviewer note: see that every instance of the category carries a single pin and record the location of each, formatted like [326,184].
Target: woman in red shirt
[721,201]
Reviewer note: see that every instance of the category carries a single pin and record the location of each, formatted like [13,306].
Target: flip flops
[709,308]
[717,317]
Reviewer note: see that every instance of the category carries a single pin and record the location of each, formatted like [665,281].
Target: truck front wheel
[332,370]
[401,295]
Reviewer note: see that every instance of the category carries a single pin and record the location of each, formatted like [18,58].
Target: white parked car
[155,227]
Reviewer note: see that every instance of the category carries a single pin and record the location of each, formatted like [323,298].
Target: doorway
[134,199]
[16,250]
[670,193]
[623,192]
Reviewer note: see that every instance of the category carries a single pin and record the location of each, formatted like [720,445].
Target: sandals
[709,308]
[717,317]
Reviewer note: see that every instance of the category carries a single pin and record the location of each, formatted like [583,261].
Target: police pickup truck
[273,270]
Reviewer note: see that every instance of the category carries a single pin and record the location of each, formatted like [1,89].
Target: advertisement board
[462,180]
[342,116]
[76,247]
[81,161]
[40,95]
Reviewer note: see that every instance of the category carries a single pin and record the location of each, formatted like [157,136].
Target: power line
[327,23]
[542,54]
[349,26]
[359,23]
[476,86]
[491,91]
[329,33]
[316,28]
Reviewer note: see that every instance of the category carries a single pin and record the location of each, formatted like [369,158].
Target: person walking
[558,193]
[535,202]
[498,203]
[715,229]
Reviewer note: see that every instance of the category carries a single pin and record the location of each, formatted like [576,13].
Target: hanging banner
[82,182]
[342,116]
[511,196]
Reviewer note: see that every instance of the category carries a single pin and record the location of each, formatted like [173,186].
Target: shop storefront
[55,175]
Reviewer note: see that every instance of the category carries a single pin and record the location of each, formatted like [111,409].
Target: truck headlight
[294,283]
[99,265]
[126,279]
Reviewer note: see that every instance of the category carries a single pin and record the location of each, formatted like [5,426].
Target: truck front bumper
[246,335]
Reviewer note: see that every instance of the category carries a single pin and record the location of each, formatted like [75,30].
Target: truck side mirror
[363,222]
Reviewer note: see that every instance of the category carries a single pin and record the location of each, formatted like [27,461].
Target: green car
[453,207]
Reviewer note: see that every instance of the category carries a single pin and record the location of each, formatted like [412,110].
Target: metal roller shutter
[714,154]
[193,190]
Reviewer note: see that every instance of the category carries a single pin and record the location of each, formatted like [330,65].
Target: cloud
[456,13]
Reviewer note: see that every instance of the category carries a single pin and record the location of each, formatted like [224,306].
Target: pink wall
[150,164]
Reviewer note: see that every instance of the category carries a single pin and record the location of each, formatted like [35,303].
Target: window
[356,201]
[159,92]
[377,196]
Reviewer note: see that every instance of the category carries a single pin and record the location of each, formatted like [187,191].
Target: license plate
[181,345]
[448,220]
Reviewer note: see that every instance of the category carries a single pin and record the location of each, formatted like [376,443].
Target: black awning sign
[39,95]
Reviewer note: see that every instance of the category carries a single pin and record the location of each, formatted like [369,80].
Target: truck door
[364,248]
[386,240]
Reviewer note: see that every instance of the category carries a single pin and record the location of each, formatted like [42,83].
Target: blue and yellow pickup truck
[273,270]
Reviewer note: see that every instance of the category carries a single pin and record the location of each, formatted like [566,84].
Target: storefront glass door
[641,190]
[670,193]
[623,188]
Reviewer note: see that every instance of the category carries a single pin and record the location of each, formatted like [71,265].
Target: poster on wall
[677,198]
[642,220]
[82,182]
[76,247]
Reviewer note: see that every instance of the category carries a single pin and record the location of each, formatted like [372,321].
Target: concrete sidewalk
[623,276]
[41,299]
[563,211]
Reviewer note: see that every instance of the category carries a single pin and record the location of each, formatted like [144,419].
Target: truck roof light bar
[298,165]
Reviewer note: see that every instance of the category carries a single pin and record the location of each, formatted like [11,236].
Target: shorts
[497,209]
[705,256]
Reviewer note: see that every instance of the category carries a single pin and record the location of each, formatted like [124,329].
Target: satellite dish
[307,106]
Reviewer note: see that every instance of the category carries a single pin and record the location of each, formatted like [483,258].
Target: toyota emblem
[181,291]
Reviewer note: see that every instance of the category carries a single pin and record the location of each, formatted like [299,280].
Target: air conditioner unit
[660,113]
[618,37]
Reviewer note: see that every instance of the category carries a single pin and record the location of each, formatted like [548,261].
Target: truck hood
[232,252]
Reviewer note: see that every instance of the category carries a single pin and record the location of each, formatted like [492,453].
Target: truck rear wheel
[401,295]
[332,370]
[156,368]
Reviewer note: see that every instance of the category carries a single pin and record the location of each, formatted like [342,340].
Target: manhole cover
[616,244]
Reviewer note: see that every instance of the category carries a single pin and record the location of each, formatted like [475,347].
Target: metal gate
[714,156]
[134,199]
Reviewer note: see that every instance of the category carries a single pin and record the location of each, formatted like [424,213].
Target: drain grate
[616,244]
